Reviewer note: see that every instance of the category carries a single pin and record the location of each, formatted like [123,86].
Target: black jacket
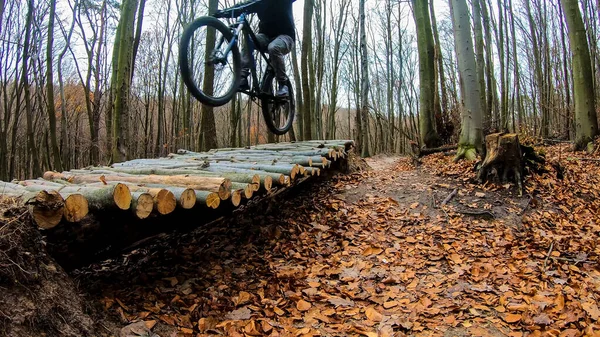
[276,18]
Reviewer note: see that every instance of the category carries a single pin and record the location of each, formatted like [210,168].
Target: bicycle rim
[210,73]
[277,112]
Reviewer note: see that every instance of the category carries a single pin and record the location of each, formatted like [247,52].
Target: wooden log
[142,204]
[422,152]
[46,208]
[8,187]
[276,178]
[312,171]
[236,197]
[290,170]
[209,199]
[191,172]
[186,197]
[102,198]
[212,184]
[164,200]
[247,188]
[76,207]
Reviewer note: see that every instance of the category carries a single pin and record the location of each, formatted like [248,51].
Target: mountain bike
[212,74]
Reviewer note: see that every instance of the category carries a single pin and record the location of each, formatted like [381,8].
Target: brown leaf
[239,314]
[242,298]
[340,302]
[372,251]
[390,304]
[302,305]
[512,318]
[373,315]
[592,309]
[542,319]
[251,329]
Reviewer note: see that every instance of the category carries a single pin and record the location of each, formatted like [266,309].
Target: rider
[276,34]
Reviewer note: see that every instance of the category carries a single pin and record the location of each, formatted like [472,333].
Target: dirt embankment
[38,298]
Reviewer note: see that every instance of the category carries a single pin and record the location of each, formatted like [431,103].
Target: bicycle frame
[242,26]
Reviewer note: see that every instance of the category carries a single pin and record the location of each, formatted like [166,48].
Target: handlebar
[247,7]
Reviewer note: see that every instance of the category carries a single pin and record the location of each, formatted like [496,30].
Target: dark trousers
[277,49]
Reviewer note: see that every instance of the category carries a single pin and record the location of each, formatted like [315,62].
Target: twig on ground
[548,255]
[449,197]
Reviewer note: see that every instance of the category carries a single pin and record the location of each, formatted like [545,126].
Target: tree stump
[503,159]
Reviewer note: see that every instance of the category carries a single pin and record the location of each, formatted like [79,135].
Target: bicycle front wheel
[278,111]
[209,71]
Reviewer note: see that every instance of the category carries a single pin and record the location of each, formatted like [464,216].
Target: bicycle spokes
[211,62]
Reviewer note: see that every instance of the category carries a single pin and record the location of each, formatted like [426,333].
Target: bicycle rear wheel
[211,74]
[278,112]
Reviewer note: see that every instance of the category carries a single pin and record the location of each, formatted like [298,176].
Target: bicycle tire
[268,90]
[184,64]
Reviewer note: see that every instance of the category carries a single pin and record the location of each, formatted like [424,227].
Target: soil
[38,297]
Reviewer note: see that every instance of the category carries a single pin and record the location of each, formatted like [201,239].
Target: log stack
[209,184]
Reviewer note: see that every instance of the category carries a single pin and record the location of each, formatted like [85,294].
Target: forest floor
[375,254]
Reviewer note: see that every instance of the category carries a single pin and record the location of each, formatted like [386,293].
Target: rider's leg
[248,49]
[278,48]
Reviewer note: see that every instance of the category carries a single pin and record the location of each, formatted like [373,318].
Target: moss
[466,151]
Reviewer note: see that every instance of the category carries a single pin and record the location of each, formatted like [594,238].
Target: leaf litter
[374,254]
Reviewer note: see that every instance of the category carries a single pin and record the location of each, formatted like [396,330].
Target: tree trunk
[586,122]
[487,110]
[33,154]
[480,61]
[208,135]
[50,89]
[364,111]
[471,136]
[120,116]
[306,53]
[427,88]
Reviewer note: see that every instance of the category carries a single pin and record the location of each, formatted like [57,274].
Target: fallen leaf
[373,315]
[239,314]
[542,319]
[372,251]
[242,298]
[340,302]
[302,305]
[592,310]
[512,318]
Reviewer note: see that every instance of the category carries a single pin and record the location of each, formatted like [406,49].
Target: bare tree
[586,123]
[429,136]
[471,136]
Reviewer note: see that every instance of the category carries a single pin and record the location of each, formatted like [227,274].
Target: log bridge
[93,211]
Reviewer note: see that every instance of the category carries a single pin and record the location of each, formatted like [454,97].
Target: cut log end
[76,208]
[236,197]
[187,199]
[47,209]
[143,205]
[225,190]
[268,184]
[165,202]
[122,196]
[213,200]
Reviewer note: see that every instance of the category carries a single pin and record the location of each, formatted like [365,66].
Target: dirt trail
[371,254]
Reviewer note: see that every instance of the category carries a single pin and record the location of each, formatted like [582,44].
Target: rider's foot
[283,91]
[244,84]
